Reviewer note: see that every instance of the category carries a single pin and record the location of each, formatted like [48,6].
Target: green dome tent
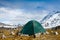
[32,27]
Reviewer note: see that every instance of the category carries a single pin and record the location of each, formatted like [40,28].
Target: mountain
[7,25]
[51,20]
[2,23]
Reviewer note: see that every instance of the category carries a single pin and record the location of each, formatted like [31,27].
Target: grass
[9,36]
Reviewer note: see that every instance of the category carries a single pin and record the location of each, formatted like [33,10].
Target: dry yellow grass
[8,35]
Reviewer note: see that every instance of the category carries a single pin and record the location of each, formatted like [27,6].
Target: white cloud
[15,16]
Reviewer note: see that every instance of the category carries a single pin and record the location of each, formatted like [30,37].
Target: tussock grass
[9,36]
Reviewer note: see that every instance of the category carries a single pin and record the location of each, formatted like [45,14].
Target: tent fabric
[32,27]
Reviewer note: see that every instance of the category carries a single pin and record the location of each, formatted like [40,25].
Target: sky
[22,11]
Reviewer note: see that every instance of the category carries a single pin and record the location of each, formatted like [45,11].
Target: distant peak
[58,12]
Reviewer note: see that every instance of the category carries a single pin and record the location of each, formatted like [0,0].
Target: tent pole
[34,36]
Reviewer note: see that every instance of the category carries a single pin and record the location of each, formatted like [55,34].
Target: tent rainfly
[32,27]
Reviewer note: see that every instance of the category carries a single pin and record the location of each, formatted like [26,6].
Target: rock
[47,32]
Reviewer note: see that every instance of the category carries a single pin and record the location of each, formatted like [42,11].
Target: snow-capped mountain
[7,25]
[51,20]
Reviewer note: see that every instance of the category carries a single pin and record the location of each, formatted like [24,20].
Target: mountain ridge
[52,20]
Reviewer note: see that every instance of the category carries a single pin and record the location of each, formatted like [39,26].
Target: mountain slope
[7,25]
[51,20]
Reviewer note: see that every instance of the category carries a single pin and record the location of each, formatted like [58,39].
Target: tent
[32,27]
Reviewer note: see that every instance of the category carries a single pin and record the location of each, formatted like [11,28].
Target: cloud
[29,6]
[32,5]
[22,5]
[19,16]
[14,12]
